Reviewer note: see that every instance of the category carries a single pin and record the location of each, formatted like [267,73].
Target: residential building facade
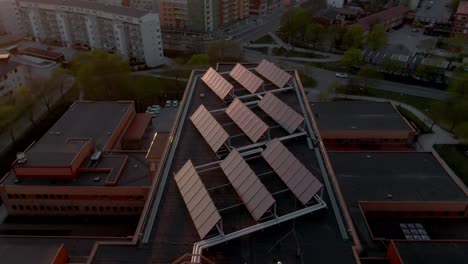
[460,24]
[12,75]
[133,33]
[9,17]
[390,18]
[263,7]
[201,15]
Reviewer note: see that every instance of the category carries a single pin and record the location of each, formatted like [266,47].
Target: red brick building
[460,25]
[91,162]
[390,18]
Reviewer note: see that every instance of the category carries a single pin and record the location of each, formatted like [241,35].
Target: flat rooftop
[432,252]
[19,253]
[358,116]
[406,176]
[318,237]
[84,121]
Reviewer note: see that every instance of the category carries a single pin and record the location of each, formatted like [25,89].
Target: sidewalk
[425,141]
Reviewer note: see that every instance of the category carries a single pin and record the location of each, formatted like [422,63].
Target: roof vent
[135,166]
[389,196]
[21,157]
[202,95]
[17,181]
[58,133]
[96,156]
[109,133]
[51,132]
[368,156]
[97,179]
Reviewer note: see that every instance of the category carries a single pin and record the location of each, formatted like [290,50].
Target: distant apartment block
[263,7]
[336,3]
[201,16]
[9,19]
[133,33]
[362,125]
[95,160]
[460,25]
[12,75]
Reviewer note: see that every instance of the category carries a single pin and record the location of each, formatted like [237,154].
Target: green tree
[45,91]
[392,66]
[354,37]
[102,76]
[454,5]
[199,60]
[335,35]
[59,78]
[24,101]
[293,22]
[367,74]
[315,34]
[427,72]
[455,109]
[377,37]
[352,58]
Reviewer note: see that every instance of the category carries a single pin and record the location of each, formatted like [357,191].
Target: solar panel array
[250,189]
[247,120]
[273,73]
[209,128]
[282,113]
[247,79]
[220,86]
[294,174]
[202,210]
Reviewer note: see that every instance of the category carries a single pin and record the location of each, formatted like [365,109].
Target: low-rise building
[359,125]
[390,18]
[133,33]
[12,75]
[460,25]
[91,162]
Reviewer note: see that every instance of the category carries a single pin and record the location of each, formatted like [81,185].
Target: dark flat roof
[432,252]
[407,176]
[119,10]
[358,116]
[39,254]
[317,232]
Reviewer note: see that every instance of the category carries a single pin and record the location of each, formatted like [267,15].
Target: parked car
[175,103]
[341,75]
[153,107]
[168,103]
[153,113]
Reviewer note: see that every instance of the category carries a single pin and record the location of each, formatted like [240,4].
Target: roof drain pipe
[204,244]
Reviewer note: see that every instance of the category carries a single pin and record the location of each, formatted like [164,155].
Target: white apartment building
[335,3]
[9,17]
[133,33]
[12,75]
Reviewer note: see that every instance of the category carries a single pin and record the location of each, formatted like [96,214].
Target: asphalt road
[325,78]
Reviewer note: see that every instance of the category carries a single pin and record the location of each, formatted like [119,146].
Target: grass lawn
[183,73]
[423,128]
[264,40]
[455,156]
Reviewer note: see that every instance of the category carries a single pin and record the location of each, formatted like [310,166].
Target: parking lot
[406,37]
[440,9]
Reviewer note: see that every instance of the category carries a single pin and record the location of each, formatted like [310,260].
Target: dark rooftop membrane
[356,116]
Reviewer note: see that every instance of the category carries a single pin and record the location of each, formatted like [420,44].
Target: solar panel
[247,79]
[284,115]
[202,210]
[247,121]
[217,83]
[294,174]
[250,189]
[209,128]
[273,73]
